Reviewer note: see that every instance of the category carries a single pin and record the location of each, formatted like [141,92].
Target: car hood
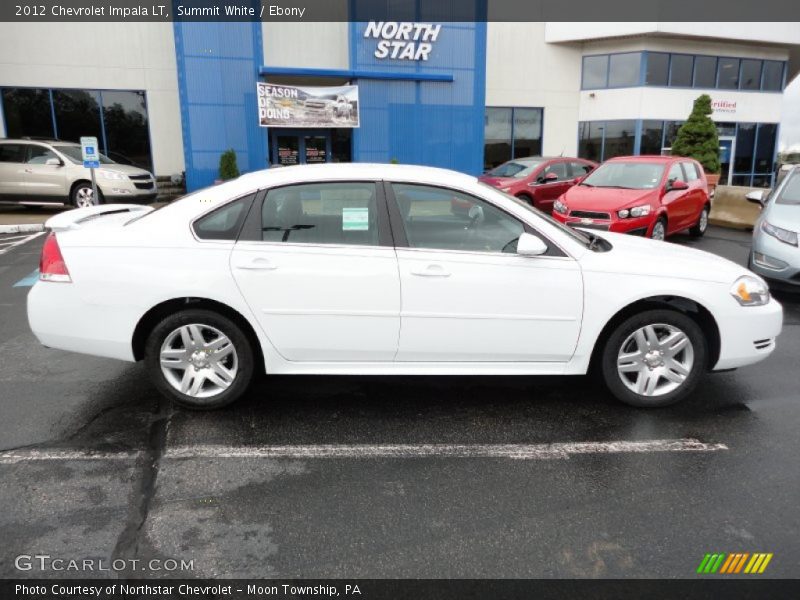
[583,197]
[643,256]
[124,169]
[785,216]
[499,182]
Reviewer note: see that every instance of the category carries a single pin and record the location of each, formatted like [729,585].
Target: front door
[547,191]
[317,268]
[45,182]
[300,147]
[468,296]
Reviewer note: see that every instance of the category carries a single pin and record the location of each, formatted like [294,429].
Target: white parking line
[12,242]
[362,451]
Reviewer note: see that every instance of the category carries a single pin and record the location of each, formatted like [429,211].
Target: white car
[365,269]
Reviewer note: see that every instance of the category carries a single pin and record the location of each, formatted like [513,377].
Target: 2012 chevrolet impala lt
[368,269]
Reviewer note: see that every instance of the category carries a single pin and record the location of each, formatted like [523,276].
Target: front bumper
[747,333]
[126,191]
[779,262]
[634,226]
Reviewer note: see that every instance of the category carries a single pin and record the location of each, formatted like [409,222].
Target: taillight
[52,266]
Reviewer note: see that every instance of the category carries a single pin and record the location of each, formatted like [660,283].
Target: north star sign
[402,40]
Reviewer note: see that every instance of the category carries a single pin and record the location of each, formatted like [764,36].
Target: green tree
[697,138]
[228,168]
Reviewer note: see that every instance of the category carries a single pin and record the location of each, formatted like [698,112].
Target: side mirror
[530,245]
[550,177]
[756,197]
[677,185]
[53,162]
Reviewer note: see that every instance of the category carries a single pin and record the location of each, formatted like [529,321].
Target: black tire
[245,358]
[80,191]
[663,222]
[525,198]
[614,345]
[699,229]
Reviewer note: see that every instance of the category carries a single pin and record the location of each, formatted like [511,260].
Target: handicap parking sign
[91,158]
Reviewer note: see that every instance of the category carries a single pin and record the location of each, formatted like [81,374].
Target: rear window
[12,153]
[225,222]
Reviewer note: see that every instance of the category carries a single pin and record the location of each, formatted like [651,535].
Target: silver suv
[37,172]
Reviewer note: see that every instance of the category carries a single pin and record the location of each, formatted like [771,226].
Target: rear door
[317,267]
[43,182]
[547,192]
[12,172]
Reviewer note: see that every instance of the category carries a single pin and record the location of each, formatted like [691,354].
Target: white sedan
[386,269]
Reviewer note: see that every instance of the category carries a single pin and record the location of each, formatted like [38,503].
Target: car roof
[649,158]
[37,141]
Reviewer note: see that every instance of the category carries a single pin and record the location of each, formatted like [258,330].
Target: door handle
[29,170]
[257,264]
[431,271]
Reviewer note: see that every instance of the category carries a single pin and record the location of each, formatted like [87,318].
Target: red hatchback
[538,180]
[653,196]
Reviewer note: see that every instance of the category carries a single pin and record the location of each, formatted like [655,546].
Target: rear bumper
[60,318]
[748,334]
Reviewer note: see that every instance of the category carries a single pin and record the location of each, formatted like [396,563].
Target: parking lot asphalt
[96,465]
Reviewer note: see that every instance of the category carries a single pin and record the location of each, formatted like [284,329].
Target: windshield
[790,194]
[628,175]
[579,236]
[517,169]
[73,153]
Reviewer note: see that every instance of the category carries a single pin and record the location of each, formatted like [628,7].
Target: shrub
[697,138]
[227,165]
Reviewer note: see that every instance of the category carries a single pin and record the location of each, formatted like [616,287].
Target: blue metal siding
[424,122]
[217,72]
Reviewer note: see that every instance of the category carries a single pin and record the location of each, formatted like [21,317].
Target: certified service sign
[291,106]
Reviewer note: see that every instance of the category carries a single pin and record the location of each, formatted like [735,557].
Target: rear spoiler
[72,219]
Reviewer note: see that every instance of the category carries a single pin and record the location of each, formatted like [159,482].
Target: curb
[22,228]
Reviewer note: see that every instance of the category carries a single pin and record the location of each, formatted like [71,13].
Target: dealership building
[466,96]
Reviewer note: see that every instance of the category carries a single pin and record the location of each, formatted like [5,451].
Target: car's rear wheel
[83,196]
[659,229]
[199,359]
[654,358]
[699,228]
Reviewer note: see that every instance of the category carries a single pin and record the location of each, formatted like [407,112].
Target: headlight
[115,175]
[636,211]
[560,207]
[783,235]
[750,291]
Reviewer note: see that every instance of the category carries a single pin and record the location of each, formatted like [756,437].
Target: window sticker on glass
[355,219]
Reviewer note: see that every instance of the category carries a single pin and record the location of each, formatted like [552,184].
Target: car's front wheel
[199,359]
[83,195]
[654,358]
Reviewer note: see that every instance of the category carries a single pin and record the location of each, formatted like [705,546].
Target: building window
[511,133]
[765,148]
[745,142]
[118,119]
[751,74]
[773,76]
[595,72]
[705,72]
[671,132]
[680,70]
[657,68]
[27,113]
[601,140]
[652,132]
[623,69]
[590,140]
[728,73]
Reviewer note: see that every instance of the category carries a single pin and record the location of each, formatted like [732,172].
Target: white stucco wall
[523,70]
[107,56]
[307,45]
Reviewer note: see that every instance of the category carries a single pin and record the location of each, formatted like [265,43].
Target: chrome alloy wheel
[655,359]
[84,197]
[702,224]
[199,360]
[659,233]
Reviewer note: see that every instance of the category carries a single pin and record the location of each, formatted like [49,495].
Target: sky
[790,121]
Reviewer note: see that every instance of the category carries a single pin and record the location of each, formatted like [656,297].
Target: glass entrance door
[725,159]
[299,147]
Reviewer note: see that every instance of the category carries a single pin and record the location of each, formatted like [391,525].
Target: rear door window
[12,153]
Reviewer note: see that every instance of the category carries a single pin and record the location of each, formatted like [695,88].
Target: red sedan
[538,180]
[653,196]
